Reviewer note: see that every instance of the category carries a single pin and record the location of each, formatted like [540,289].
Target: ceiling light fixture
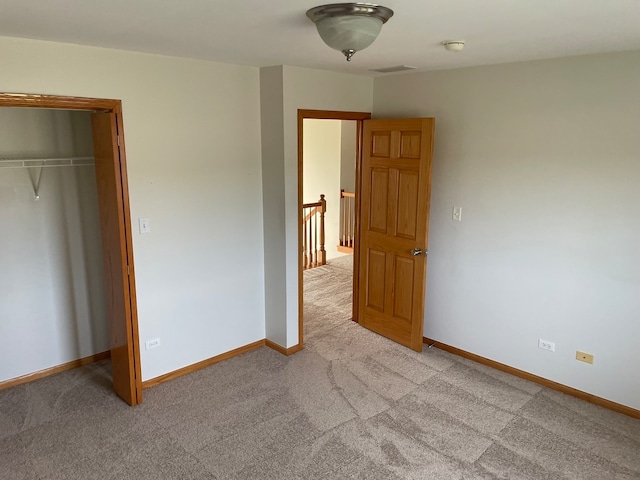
[349,27]
[453,45]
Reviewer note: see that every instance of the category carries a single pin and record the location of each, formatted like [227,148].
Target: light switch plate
[144,225]
[457,214]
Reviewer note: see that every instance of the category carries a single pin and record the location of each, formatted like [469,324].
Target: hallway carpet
[350,405]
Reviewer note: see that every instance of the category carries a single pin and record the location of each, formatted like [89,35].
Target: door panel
[124,361]
[381,144]
[396,183]
[410,144]
[407,205]
[378,200]
[403,288]
[377,261]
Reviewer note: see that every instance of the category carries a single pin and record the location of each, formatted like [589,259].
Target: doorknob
[416,252]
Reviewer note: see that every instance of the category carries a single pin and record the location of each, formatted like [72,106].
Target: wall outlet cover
[546,345]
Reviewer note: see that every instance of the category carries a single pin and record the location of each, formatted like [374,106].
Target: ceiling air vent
[397,68]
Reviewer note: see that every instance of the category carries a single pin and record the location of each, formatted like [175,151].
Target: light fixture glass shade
[349,27]
[349,33]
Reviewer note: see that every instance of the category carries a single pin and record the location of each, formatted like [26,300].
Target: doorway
[391,212]
[114,222]
[358,118]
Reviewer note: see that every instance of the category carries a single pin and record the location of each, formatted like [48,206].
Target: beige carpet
[350,405]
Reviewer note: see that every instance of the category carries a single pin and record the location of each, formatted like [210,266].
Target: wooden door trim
[359,117]
[56,101]
[99,105]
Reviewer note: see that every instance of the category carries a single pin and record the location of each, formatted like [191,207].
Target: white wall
[321,171]
[53,307]
[543,158]
[272,131]
[348,152]
[192,133]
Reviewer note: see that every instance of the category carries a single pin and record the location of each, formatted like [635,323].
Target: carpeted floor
[350,405]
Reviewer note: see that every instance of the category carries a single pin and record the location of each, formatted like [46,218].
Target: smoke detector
[453,45]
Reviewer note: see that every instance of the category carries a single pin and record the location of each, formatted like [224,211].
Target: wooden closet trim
[55,101]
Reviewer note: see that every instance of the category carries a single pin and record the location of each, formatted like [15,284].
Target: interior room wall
[272,134]
[53,307]
[322,158]
[348,152]
[192,132]
[543,159]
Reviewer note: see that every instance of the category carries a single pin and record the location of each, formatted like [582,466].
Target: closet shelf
[45,162]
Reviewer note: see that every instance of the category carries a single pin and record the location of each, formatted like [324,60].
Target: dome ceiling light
[453,45]
[349,27]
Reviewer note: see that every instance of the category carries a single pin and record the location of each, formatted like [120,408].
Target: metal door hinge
[118,136]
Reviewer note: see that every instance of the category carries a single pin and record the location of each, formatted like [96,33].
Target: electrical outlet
[149,344]
[546,345]
[584,357]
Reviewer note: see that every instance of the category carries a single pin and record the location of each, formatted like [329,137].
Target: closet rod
[45,162]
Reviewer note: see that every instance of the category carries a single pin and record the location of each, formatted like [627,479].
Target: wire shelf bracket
[41,164]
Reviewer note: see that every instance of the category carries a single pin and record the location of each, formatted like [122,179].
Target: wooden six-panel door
[395,191]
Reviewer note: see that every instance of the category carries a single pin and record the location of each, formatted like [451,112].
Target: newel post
[323,254]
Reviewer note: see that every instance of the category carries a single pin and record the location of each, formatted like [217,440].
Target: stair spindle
[310,244]
[323,253]
[351,222]
[304,239]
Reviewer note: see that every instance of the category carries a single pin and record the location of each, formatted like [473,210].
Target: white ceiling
[275,32]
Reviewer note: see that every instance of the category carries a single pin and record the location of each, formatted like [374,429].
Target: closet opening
[66,269]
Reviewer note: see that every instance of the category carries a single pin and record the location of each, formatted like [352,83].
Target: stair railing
[347,221]
[313,251]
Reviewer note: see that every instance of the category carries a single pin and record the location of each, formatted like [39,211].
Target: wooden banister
[313,238]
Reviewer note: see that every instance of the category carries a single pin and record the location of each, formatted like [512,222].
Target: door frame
[359,117]
[107,106]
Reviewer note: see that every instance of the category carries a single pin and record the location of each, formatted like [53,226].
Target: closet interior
[53,309]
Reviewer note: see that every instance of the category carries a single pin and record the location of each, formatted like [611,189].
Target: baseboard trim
[282,350]
[200,365]
[602,402]
[30,377]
